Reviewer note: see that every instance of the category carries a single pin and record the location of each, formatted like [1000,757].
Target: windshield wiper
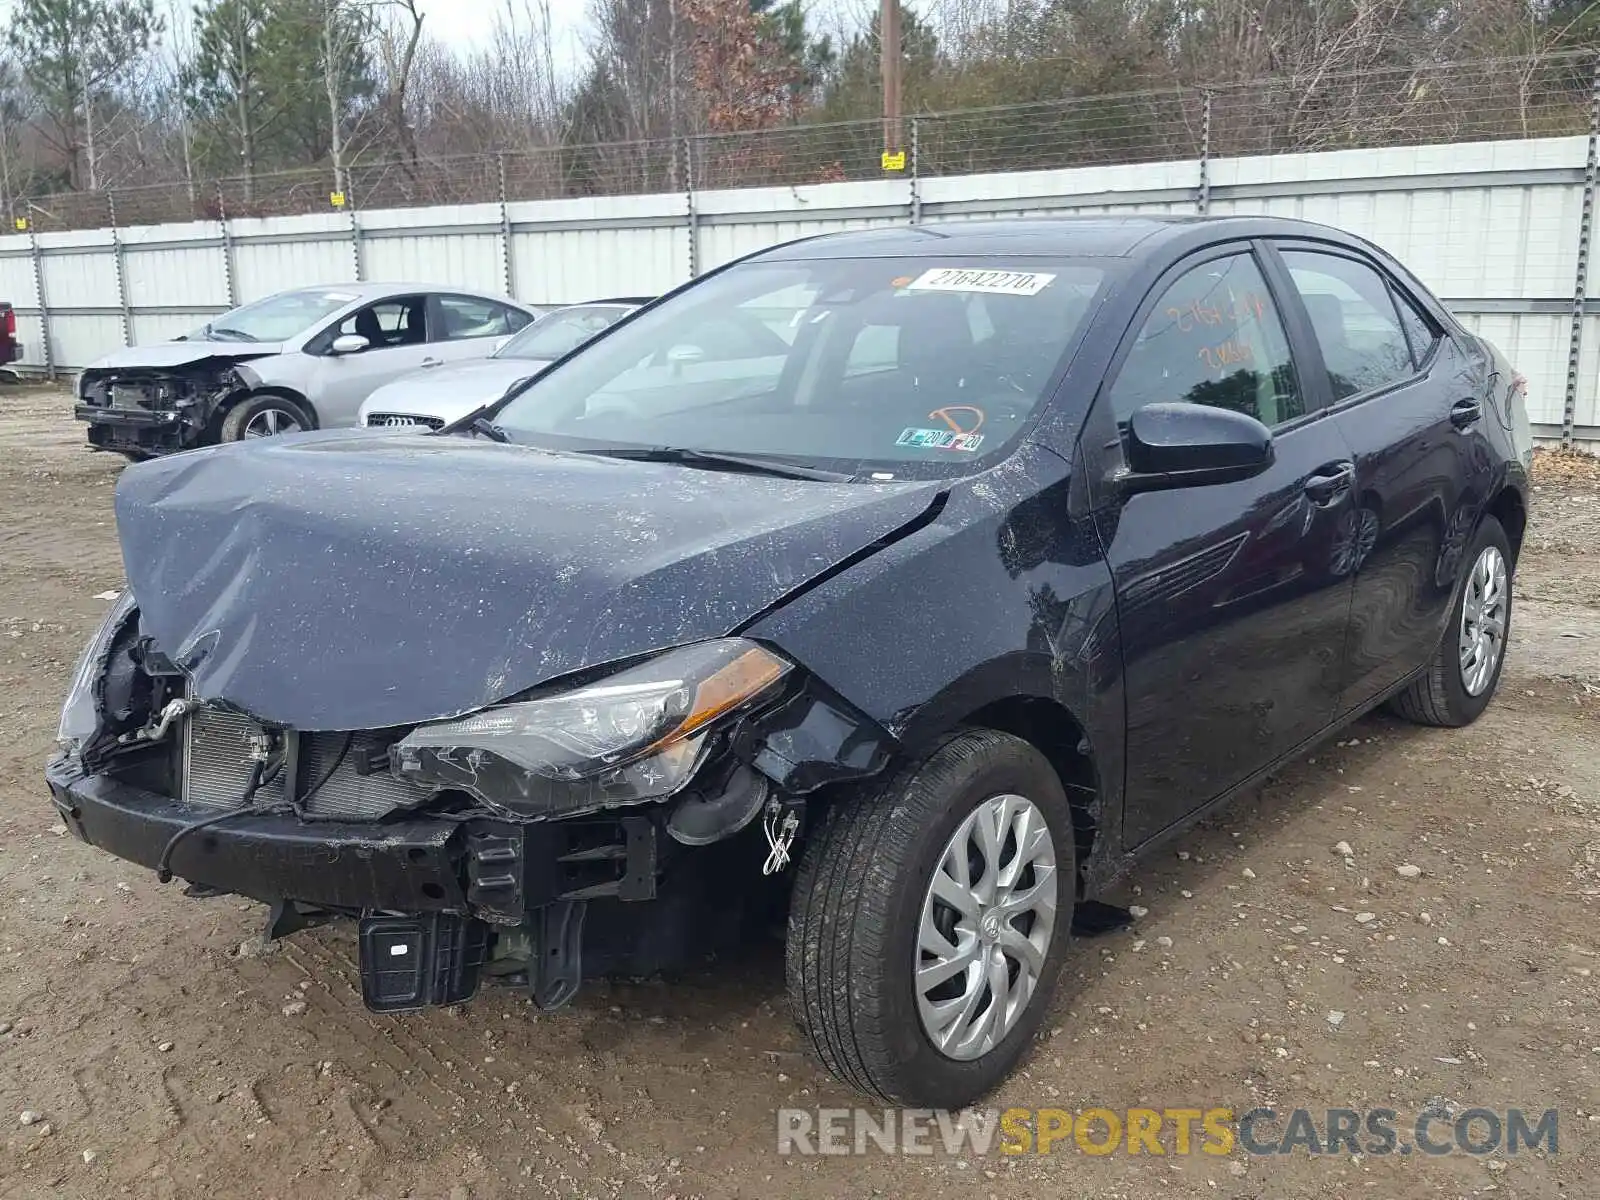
[489,430]
[478,419]
[230,335]
[716,460]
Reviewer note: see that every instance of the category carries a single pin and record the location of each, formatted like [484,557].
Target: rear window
[910,367]
[556,333]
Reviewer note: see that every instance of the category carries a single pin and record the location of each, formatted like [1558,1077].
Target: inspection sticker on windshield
[939,439]
[1002,283]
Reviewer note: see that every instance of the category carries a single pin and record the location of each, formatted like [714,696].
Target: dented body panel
[170,404]
[358,580]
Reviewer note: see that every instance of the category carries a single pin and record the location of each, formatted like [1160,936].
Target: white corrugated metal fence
[1495,228]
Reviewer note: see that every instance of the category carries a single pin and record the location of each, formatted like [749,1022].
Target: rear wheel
[929,922]
[1465,671]
[263,416]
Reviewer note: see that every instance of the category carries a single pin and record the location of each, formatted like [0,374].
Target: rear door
[1232,606]
[1410,404]
[396,330]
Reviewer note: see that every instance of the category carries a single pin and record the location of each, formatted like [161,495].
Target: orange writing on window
[1231,353]
[1239,310]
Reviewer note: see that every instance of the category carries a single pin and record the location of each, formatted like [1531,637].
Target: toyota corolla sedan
[910,582]
[435,396]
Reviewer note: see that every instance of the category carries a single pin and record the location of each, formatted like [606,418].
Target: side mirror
[349,343]
[1187,445]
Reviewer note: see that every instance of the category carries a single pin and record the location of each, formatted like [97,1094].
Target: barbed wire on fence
[1544,96]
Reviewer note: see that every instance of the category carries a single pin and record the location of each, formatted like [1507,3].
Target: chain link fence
[1444,103]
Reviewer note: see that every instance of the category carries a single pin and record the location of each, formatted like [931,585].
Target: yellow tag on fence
[22,224]
[894,162]
[336,199]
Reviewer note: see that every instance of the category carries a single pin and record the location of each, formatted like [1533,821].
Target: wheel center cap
[989,927]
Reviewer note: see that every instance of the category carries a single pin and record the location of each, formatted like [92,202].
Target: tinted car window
[470,317]
[905,366]
[1419,329]
[399,322]
[1353,315]
[1214,337]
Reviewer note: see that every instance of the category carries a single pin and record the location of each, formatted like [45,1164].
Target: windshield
[277,318]
[556,333]
[901,367]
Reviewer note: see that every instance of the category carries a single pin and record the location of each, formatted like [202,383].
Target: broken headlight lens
[80,711]
[634,736]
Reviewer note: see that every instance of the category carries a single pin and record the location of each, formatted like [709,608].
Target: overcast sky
[459,23]
[467,23]
[464,23]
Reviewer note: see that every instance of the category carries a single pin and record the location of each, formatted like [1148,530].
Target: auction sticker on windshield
[1002,283]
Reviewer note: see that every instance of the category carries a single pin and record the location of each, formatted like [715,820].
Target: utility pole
[889,48]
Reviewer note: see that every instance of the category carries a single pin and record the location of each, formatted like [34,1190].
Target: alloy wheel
[1483,620]
[985,928]
[270,421]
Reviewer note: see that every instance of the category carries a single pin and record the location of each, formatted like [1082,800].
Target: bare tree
[401,36]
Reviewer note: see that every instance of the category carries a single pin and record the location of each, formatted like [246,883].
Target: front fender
[1005,594]
[285,375]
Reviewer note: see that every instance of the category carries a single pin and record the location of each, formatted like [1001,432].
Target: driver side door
[1233,598]
[396,330]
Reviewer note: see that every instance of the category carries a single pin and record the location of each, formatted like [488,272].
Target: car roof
[377,290]
[1078,236]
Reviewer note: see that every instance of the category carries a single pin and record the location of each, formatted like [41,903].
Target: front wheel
[263,416]
[929,922]
[1465,671]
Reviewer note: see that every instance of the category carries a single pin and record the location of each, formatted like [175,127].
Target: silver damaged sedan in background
[301,359]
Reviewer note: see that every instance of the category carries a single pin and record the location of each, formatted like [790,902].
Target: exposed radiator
[216,770]
[216,760]
[348,793]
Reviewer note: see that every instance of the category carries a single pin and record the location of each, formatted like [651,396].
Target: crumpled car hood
[164,355]
[360,580]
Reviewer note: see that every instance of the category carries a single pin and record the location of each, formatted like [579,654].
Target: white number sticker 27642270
[1004,283]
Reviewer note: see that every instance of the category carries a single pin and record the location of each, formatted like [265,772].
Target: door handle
[433,362]
[1330,482]
[1466,412]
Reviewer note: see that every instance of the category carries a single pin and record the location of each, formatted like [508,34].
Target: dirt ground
[165,1061]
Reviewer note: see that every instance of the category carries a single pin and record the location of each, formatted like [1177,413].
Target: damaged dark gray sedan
[909,583]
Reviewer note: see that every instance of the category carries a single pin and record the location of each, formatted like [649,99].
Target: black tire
[251,407]
[1439,696]
[857,907]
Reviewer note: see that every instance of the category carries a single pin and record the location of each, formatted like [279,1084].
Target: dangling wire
[258,775]
[780,836]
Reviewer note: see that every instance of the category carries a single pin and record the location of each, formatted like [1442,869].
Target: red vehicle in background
[10,348]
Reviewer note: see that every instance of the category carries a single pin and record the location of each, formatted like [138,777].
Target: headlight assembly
[634,736]
[80,711]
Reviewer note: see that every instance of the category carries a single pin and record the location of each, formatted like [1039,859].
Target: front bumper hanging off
[428,891]
[405,866]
